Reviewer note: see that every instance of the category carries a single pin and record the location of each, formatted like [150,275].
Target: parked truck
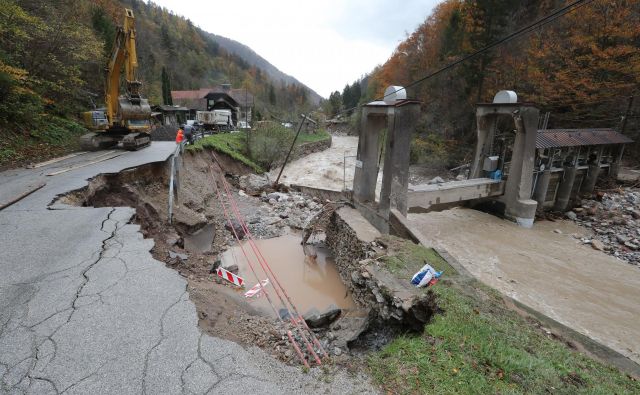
[216,119]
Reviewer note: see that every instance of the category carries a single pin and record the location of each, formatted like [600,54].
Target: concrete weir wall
[351,238]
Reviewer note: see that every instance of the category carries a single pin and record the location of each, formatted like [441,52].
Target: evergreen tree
[166,88]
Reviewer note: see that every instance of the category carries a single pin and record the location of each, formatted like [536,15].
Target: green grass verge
[320,135]
[232,144]
[235,145]
[477,346]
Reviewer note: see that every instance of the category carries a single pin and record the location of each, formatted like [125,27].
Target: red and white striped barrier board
[256,289]
[232,278]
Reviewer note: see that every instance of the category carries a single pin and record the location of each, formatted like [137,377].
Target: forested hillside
[581,67]
[255,60]
[53,55]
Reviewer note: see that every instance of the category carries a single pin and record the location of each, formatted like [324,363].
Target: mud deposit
[310,282]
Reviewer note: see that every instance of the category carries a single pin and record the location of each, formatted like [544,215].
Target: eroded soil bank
[198,240]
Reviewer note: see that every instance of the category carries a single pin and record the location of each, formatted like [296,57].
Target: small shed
[170,115]
[568,163]
[308,124]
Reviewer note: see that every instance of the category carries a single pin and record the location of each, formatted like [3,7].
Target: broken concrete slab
[316,319]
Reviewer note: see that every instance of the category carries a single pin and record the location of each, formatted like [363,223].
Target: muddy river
[332,168]
[546,268]
[310,282]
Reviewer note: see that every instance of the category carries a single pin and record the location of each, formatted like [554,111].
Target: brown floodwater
[310,282]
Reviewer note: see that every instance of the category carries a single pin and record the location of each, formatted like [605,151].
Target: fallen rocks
[235,227]
[614,218]
[254,183]
[597,245]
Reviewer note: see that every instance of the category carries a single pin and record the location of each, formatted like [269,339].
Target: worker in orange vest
[179,136]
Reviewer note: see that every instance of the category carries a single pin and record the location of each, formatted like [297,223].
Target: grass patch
[232,144]
[477,345]
[405,258]
[235,146]
[320,135]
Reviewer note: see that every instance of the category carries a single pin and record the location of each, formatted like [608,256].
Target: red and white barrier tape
[256,289]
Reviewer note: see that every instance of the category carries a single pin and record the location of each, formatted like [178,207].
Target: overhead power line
[527,29]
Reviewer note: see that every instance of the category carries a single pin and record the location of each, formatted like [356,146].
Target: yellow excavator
[127,117]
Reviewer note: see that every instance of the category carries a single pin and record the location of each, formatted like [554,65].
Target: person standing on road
[188,133]
[179,136]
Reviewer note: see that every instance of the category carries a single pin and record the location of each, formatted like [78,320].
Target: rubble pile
[614,218]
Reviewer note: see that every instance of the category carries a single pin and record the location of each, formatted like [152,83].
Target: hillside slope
[251,57]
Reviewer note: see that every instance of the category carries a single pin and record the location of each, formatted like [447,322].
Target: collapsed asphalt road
[84,307]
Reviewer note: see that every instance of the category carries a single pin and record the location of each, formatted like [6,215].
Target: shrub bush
[269,143]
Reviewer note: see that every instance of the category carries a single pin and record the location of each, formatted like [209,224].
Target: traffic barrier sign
[232,278]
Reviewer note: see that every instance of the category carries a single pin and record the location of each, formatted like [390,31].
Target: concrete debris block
[461,177]
[356,278]
[571,215]
[337,351]
[272,201]
[233,268]
[597,245]
[315,319]
[436,180]
[284,314]
[254,183]
[378,295]
[235,225]
[172,239]
[174,255]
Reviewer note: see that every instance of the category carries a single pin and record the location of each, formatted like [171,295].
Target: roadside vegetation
[476,344]
[260,148]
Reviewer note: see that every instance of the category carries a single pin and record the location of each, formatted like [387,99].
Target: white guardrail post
[174,178]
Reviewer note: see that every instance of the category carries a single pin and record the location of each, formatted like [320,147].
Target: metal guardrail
[174,178]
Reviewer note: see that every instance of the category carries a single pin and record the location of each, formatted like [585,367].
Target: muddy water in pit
[310,283]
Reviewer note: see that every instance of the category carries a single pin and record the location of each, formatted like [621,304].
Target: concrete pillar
[395,175]
[517,198]
[589,183]
[542,186]
[374,122]
[615,166]
[564,189]
[485,126]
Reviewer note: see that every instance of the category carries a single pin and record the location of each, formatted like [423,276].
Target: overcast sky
[325,43]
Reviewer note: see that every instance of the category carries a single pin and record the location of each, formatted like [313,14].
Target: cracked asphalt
[85,309]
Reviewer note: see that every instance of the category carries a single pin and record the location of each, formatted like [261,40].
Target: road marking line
[55,173]
[55,160]
[22,196]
